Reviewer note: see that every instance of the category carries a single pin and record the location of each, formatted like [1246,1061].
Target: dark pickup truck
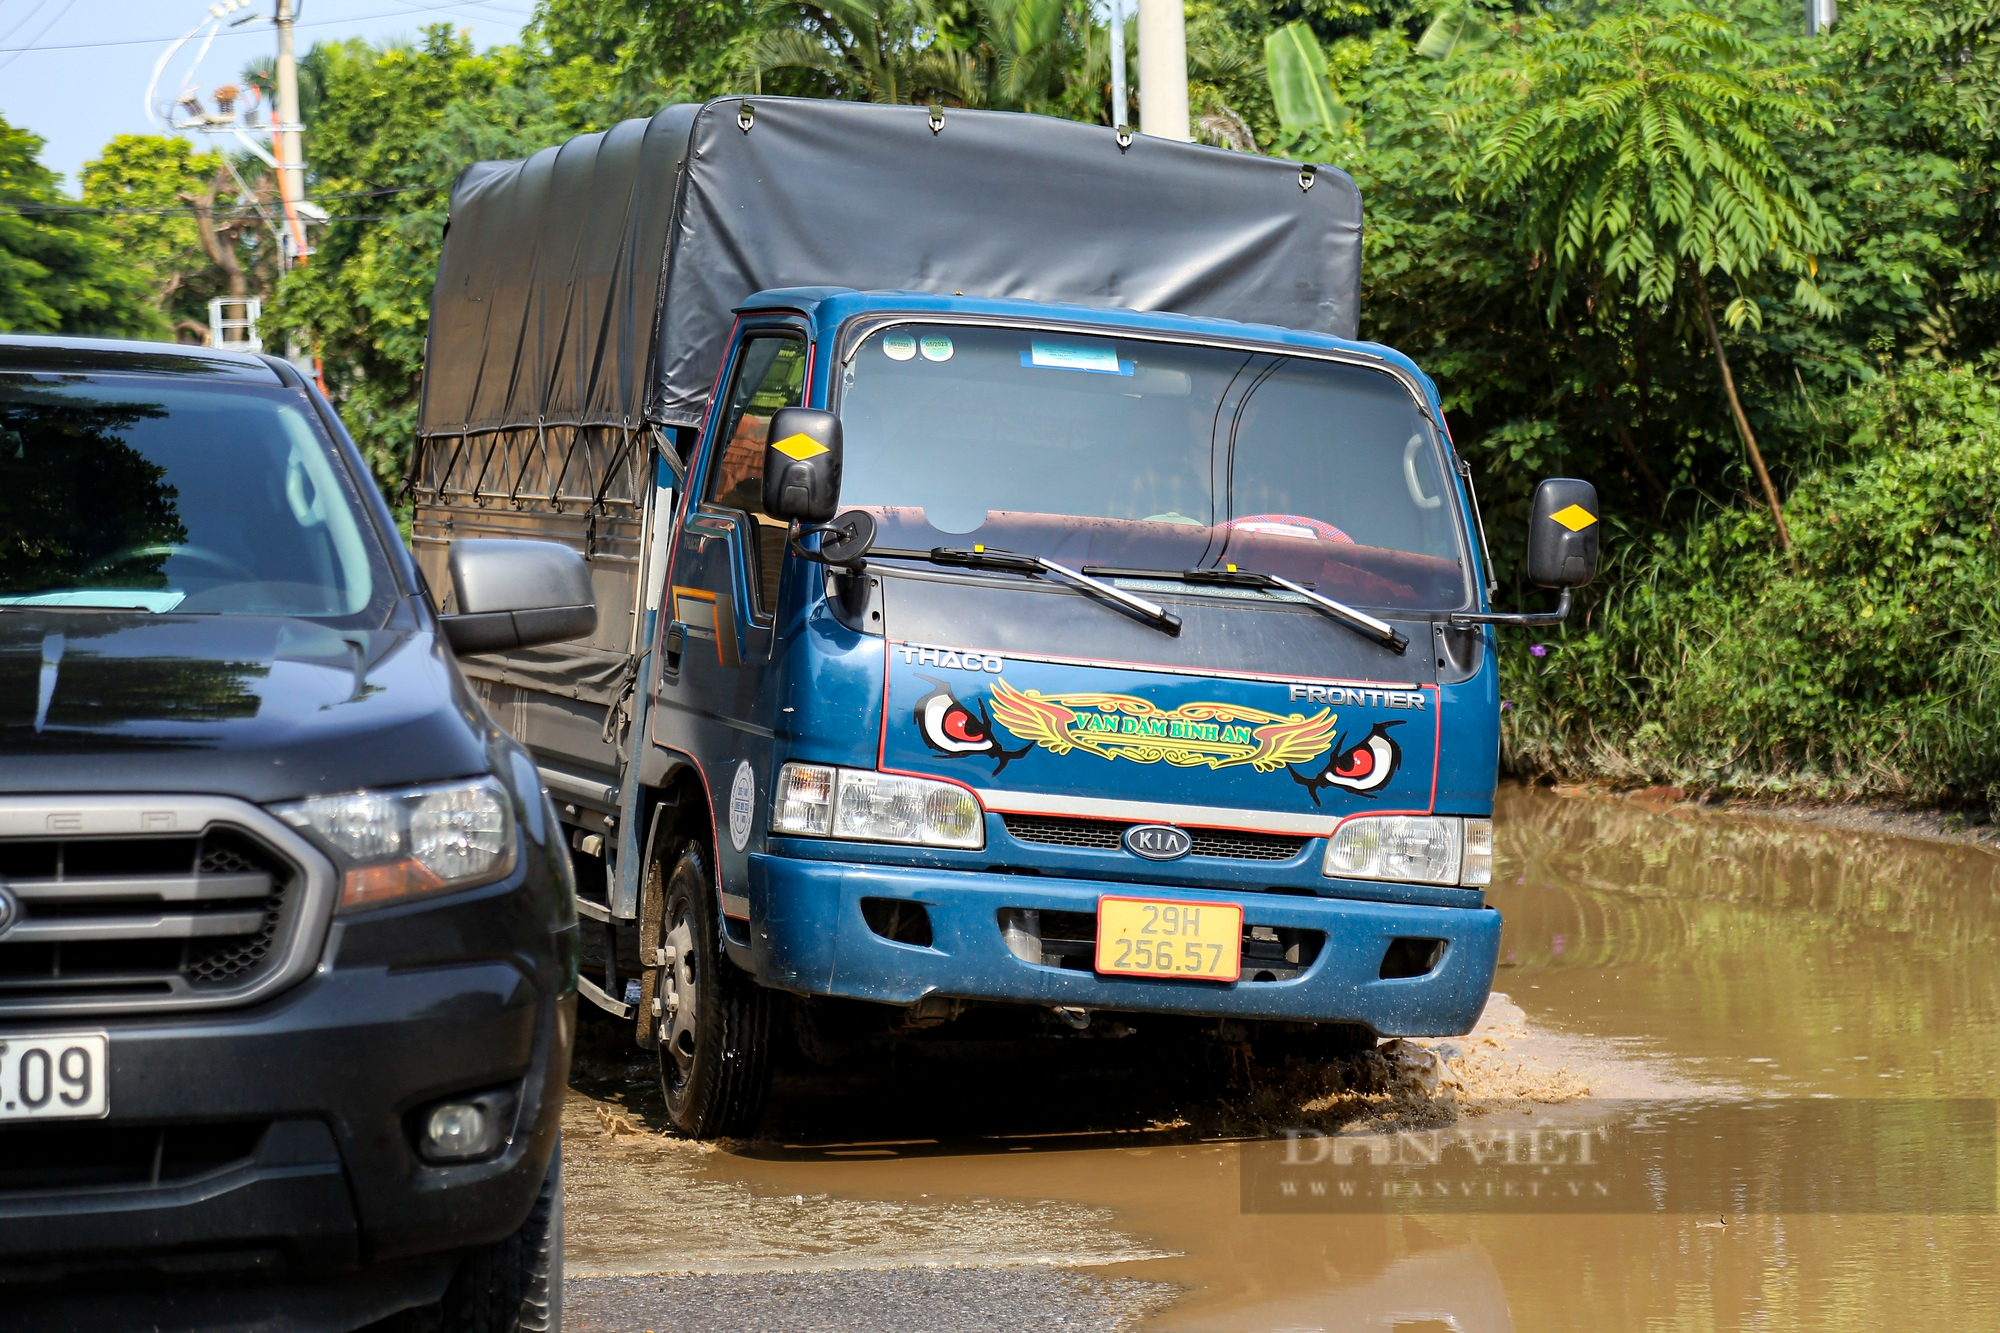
[287,926]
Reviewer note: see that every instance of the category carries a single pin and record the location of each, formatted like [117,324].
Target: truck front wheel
[715,1022]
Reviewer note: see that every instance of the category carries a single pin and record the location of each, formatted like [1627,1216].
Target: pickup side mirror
[802,465]
[517,594]
[1562,534]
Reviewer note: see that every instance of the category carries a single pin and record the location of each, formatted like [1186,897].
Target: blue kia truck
[1018,586]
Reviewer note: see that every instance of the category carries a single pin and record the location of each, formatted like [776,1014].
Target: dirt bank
[1931,823]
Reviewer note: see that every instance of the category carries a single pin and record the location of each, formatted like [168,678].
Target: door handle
[676,642]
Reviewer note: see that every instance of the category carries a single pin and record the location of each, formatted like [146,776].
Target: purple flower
[1505,705]
[1537,650]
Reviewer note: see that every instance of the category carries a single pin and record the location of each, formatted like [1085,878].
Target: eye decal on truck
[952,729]
[1364,767]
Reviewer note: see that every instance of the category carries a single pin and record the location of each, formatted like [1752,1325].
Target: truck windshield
[147,493]
[1125,452]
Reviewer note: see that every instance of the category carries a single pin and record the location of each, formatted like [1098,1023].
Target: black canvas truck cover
[593,284]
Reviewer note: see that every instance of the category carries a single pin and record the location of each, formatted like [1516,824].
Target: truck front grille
[1109,835]
[109,920]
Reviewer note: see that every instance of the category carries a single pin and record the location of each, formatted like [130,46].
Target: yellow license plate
[1152,937]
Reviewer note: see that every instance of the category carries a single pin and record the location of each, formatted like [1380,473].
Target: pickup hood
[1263,717]
[262,708]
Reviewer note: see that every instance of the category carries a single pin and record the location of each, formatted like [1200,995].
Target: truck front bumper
[809,934]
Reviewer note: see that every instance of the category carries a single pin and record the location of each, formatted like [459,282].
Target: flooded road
[1674,982]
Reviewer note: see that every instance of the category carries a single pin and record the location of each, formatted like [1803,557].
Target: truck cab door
[722,596]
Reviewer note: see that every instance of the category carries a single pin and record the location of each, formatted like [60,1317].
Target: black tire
[516,1285]
[715,1062]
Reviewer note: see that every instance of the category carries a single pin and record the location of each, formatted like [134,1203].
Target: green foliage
[60,273]
[1876,668]
[869,51]
[1644,144]
[1459,27]
[645,52]
[1013,55]
[406,120]
[165,175]
[1306,103]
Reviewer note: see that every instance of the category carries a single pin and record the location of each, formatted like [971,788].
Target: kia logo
[1157,842]
[9,908]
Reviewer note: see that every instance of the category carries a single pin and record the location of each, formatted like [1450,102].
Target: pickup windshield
[1164,456]
[149,493]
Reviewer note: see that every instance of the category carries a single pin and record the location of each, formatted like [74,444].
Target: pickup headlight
[392,845]
[1412,849]
[820,801]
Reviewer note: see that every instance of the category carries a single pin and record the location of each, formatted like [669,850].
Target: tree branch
[1742,421]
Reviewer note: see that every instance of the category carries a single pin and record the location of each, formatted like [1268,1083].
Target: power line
[37,7]
[231,211]
[317,23]
[16,55]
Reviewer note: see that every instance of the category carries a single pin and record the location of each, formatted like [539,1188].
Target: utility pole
[1163,94]
[285,134]
[1121,105]
[1820,15]
[290,152]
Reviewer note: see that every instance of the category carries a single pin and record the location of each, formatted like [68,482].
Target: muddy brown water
[1666,959]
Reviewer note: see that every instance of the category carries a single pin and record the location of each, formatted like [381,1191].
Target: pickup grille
[1109,834]
[64,1157]
[145,921]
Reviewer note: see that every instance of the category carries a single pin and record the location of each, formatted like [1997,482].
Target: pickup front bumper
[284,1190]
[810,934]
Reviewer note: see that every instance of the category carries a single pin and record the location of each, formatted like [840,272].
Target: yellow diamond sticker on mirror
[803,446]
[1576,518]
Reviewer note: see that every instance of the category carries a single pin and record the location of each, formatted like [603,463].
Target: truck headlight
[820,801]
[395,844]
[1412,849]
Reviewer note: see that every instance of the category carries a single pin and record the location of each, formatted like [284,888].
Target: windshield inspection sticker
[899,347]
[936,347]
[742,804]
[1075,356]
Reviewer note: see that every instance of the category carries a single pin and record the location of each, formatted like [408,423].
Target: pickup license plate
[1151,937]
[55,1078]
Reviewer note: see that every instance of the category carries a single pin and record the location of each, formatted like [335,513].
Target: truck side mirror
[517,594]
[1562,534]
[802,465]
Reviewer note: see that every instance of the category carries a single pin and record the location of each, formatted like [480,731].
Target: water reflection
[1455,1288]
[1782,956]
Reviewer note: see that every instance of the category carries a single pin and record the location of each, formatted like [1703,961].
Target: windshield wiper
[1381,631]
[987,557]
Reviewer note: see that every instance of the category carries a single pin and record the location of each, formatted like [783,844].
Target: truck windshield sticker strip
[1205,673]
